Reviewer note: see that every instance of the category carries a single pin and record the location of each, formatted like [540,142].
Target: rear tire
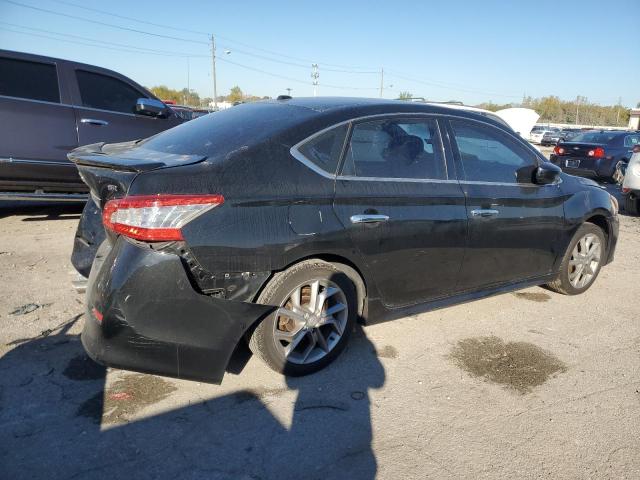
[317,311]
[632,204]
[582,261]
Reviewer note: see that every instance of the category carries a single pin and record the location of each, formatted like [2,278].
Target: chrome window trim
[69,105]
[58,104]
[295,150]
[63,163]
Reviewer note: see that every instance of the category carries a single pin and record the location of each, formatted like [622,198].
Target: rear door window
[31,80]
[395,148]
[488,155]
[107,93]
[325,149]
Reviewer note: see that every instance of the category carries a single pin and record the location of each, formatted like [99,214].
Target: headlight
[614,204]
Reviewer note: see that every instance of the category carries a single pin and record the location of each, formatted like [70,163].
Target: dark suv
[50,106]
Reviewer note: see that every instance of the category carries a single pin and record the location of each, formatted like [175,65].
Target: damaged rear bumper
[143,314]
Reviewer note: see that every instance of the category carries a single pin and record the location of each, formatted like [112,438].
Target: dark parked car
[553,137]
[50,106]
[595,153]
[284,221]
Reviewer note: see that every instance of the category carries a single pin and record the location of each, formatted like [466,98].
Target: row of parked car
[552,135]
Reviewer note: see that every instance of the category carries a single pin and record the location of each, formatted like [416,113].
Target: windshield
[595,137]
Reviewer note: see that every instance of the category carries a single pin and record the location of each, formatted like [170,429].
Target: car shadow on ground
[57,420]
[37,211]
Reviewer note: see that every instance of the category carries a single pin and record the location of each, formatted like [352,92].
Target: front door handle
[485,212]
[94,121]
[369,218]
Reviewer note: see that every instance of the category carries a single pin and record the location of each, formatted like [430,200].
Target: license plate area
[572,163]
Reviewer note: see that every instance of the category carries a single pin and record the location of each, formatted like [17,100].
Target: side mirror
[151,107]
[547,173]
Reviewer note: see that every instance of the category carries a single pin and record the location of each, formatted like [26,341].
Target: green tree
[235,95]
[405,96]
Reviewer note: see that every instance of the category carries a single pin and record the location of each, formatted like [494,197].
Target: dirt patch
[126,397]
[533,296]
[388,351]
[81,367]
[520,366]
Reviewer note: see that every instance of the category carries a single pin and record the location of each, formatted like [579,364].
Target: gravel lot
[523,385]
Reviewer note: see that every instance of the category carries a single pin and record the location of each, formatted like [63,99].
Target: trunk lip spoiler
[93,156]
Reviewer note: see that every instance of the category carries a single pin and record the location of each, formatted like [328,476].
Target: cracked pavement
[436,395]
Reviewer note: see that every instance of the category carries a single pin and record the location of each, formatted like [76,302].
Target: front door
[515,225]
[403,212]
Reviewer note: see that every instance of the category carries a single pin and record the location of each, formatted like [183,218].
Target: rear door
[402,210]
[105,109]
[515,226]
[38,127]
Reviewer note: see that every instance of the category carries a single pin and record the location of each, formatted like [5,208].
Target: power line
[105,42]
[336,68]
[97,22]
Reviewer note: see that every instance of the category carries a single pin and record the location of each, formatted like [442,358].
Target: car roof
[356,106]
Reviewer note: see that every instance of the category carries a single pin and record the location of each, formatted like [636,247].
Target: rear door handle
[485,212]
[94,121]
[369,218]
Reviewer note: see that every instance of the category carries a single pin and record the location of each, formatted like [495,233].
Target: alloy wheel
[311,321]
[585,260]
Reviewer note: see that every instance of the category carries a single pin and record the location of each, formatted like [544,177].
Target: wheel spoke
[321,341]
[295,297]
[309,349]
[313,298]
[285,312]
[335,324]
[296,341]
[576,273]
[327,293]
[337,308]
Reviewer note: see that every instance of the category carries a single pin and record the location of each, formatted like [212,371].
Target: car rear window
[631,140]
[221,133]
[32,80]
[595,137]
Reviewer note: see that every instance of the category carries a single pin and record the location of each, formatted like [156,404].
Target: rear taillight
[558,150]
[155,218]
[596,152]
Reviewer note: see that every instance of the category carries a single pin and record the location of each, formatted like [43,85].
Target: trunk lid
[574,149]
[108,170]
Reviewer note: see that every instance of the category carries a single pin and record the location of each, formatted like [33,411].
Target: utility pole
[577,108]
[188,86]
[314,75]
[381,81]
[288,91]
[213,60]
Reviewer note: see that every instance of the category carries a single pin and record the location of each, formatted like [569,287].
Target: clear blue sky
[468,50]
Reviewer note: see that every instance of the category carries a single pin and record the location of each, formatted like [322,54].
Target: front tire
[582,261]
[317,308]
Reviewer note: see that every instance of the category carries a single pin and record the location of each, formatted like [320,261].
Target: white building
[634,119]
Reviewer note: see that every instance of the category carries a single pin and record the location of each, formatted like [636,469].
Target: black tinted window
[595,137]
[36,81]
[324,150]
[395,149]
[491,156]
[107,93]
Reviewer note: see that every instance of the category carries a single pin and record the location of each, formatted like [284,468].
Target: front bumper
[153,320]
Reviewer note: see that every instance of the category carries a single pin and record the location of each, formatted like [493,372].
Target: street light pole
[213,60]
[381,81]
[314,75]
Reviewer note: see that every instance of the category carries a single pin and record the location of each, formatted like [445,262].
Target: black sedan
[595,153]
[554,137]
[284,222]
